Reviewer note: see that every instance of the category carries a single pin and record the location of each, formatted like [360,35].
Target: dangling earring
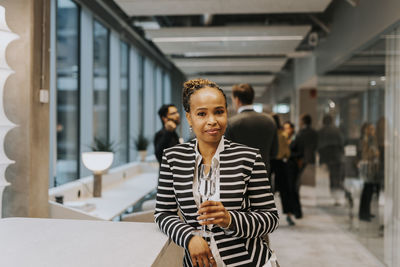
[190,129]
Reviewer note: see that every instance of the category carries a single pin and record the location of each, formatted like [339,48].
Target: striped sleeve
[166,212]
[262,216]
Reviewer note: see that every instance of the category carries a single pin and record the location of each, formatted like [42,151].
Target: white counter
[50,242]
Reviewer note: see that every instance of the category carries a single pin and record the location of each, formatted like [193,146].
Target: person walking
[251,128]
[302,149]
[242,209]
[330,150]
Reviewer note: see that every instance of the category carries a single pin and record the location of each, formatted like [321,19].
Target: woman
[242,210]
[279,165]
[368,167]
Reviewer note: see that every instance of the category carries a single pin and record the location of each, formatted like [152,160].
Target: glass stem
[203,227]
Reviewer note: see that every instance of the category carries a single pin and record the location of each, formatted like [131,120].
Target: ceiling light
[383,78]
[373,83]
[226,39]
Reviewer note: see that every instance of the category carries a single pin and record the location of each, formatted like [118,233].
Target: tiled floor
[318,240]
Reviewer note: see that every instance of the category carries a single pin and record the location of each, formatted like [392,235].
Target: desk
[65,243]
[117,197]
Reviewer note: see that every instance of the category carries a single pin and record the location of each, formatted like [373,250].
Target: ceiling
[235,41]
[196,7]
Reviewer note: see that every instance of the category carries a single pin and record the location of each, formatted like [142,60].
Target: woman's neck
[207,151]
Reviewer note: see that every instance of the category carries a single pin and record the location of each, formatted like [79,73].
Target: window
[123,145]
[67,128]
[101,82]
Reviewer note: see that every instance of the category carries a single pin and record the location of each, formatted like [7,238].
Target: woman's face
[371,130]
[208,116]
[288,129]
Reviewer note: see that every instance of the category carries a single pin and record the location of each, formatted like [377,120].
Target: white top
[215,197]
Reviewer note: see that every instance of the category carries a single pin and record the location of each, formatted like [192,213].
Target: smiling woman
[242,209]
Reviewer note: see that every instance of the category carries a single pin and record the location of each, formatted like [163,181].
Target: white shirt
[246,107]
[215,197]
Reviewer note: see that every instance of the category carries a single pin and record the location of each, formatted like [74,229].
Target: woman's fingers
[213,212]
[200,252]
[211,259]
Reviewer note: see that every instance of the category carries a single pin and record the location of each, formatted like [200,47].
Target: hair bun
[191,86]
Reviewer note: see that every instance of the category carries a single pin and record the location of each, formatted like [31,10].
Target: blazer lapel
[231,183]
[186,200]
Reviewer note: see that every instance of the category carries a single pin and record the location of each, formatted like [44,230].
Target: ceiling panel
[196,7]
[233,40]
[229,80]
[202,65]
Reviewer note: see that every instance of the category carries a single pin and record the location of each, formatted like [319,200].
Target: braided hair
[192,86]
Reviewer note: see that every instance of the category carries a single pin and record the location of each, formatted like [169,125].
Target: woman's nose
[211,119]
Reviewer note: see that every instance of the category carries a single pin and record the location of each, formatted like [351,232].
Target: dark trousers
[284,185]
[365,201]
[335,175]
[293,173]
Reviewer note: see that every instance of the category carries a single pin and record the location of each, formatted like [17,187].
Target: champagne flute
[206,187]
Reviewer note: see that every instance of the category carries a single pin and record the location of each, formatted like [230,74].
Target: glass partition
[67,47]
[101,82]
[123,145]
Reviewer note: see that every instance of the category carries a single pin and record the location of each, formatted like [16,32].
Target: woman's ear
[189,118]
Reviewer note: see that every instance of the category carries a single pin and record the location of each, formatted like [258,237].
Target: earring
[190,129]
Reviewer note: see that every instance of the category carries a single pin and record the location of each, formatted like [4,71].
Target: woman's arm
[166,212]
[262,218]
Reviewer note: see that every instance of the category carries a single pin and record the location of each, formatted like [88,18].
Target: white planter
[98,162]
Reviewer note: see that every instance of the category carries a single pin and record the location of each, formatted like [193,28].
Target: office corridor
[317,240]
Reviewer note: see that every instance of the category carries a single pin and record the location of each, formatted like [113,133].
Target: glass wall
[67,125]
[123,145]
[84,100]
[351,145]
[101,83]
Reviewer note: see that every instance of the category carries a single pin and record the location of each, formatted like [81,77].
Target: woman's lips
[213,131]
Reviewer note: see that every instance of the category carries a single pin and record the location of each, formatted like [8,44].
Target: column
[27,144]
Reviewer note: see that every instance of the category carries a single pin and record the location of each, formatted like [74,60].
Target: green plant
[100,145]
[141,142]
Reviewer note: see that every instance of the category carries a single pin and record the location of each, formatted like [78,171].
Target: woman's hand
[200,252]
[213,212]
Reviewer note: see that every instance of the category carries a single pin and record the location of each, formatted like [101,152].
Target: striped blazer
[245,192]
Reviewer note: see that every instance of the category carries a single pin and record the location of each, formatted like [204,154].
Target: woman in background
[241,211]
[280,167]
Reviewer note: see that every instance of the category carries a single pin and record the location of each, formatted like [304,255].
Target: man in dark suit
[167,136]
[251,128]
[305,144]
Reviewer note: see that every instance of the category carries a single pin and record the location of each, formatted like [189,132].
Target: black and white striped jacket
[245,192]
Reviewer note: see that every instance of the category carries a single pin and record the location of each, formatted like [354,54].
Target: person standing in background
[330,149]
[167,136]
[302,150]
[279,166]
[368,153]
[251,128]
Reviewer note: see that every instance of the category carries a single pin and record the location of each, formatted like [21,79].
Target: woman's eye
[201,114]
[221,111]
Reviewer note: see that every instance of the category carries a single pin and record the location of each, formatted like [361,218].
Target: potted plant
[141,144]
[98,161]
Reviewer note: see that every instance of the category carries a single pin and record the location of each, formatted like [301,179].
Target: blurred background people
[330,149]
[302,149]
[167,136]
[279,167]
[368,164]
[251,128]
